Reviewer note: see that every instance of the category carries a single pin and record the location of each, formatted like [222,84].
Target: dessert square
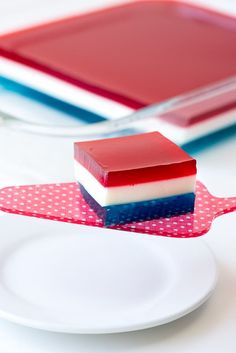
[135,177]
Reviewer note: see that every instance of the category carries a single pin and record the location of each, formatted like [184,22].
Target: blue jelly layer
[52,102]
[143,210]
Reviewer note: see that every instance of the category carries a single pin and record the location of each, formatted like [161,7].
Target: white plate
[70,278]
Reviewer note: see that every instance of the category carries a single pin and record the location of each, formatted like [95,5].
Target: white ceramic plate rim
[144,322]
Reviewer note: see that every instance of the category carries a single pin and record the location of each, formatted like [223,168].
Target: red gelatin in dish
[202,110]
[134,159]
[136,53]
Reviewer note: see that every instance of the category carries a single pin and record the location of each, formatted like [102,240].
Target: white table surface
[26,158]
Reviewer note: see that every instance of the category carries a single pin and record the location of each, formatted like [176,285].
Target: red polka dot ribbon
[64,202]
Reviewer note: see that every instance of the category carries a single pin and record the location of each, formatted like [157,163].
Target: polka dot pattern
[64,202]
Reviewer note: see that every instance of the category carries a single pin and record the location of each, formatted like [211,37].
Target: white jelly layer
[60,89]
[111,110]
[116,195]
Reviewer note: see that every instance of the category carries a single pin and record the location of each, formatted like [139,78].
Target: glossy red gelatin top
[134,159]
[136,53]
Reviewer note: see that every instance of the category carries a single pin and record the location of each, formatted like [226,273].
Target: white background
[26,158]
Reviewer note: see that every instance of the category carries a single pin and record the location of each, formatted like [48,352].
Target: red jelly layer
[134,159]
[138,53]
[202,110]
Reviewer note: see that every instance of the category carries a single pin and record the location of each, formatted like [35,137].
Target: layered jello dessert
[135,178]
